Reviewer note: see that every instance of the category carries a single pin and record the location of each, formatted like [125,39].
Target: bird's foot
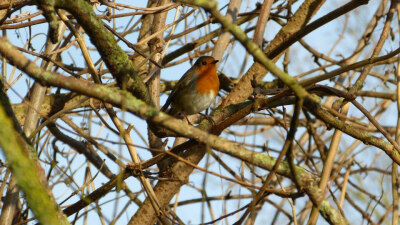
[207,117]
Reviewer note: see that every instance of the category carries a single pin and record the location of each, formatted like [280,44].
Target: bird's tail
[164,108]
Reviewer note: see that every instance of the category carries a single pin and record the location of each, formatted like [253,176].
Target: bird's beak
[215,61]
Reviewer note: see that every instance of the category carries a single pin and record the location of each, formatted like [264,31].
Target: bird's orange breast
[208,81]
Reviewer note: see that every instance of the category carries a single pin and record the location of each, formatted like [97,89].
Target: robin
[196,90]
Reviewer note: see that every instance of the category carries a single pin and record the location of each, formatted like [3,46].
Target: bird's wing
[184,81]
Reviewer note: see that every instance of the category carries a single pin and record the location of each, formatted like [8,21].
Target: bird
[196,89]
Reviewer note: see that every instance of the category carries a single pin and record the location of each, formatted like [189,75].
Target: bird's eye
[203,63]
